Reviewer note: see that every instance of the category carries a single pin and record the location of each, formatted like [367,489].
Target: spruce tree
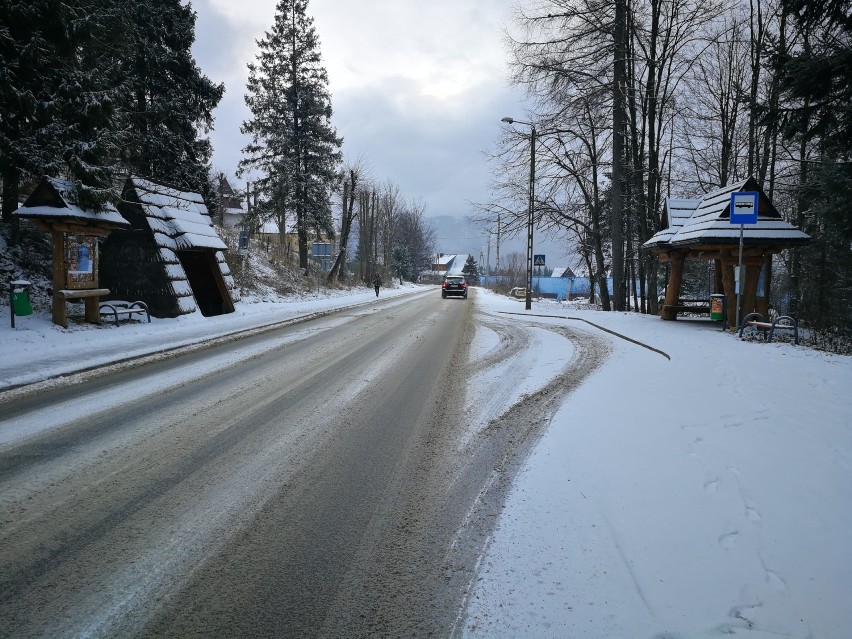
[817,84]
[471,270]
[168,102]
[294,146]
[59,84]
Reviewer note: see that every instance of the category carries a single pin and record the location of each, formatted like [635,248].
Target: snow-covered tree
[168,101]
[294,146]
[59,84]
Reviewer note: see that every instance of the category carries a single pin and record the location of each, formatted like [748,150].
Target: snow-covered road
[693,497]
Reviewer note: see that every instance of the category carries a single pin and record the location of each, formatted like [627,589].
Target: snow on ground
[702,496]
[37,349]
[694,497]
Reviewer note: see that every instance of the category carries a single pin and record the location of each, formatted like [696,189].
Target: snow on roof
[62,205]
[179,219]
[562,271]
[708,220]
[677,212]
[271,227]
[456,264]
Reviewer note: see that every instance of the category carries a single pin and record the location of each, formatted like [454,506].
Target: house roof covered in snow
[54,198]
[179,219]
[708,221]
[562,271]
[456,265]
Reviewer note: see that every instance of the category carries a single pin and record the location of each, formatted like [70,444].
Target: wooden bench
[685,308]
[785,322]
[116,308]
[90,297]
[670,311]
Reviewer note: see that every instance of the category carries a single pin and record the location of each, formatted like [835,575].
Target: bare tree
[352,175]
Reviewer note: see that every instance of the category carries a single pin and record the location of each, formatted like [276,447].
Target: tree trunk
[618,168]
[756,25]
[346,227]
[801,205]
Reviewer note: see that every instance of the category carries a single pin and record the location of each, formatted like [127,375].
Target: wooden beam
[730,289]
[58,305]
[673,288]
[718,285]
[51,225]
[749,291]
[761,304]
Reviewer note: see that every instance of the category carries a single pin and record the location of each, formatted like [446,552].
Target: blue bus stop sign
[744,207]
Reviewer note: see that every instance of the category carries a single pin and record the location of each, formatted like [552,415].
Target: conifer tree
[471,270]
[294,146]
[59,85]
[168,101]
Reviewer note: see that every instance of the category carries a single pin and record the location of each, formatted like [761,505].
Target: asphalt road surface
[306,482]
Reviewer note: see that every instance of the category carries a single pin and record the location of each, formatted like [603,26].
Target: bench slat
[115,308]
[86,292]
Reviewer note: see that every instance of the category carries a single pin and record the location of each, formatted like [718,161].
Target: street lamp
[508,120]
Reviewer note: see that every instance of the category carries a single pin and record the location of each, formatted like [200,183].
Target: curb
[598,326]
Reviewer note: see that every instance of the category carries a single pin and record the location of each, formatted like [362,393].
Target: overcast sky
[418,88]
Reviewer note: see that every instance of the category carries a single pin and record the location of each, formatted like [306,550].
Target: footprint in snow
[728,540]
[775,580]
[753,514]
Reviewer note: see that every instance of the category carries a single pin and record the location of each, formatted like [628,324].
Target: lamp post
[508,120]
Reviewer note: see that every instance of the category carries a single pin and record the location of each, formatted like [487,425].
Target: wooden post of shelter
[677,261]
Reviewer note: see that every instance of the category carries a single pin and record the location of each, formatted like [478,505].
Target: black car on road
[454,285]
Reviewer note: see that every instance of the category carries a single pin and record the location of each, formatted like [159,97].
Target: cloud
[418,89]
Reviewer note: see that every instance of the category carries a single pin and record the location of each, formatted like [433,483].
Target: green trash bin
[21,302]
[717,306]
[20,298]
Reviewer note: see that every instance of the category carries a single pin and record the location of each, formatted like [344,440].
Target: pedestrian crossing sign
[538,260]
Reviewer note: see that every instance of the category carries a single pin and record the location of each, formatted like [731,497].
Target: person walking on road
[377,283]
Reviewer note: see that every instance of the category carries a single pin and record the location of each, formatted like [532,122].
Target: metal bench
[119,308]
[785,322]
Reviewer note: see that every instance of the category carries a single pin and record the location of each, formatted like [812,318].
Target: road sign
[744,207]
[244,242]
[538,260]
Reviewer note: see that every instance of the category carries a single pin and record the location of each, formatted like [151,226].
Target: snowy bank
[705,495]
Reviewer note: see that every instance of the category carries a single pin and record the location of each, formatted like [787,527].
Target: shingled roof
[54,198]
[179,219]
[707,221]
[172,258]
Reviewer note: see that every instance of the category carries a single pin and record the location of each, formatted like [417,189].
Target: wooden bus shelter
[701,229]
[75,233]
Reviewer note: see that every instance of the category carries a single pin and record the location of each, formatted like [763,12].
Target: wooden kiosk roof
[52,200]
[701,229]
[707,221]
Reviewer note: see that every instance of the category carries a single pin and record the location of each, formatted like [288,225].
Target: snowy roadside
[36,349]
[700,496]
[694,497]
